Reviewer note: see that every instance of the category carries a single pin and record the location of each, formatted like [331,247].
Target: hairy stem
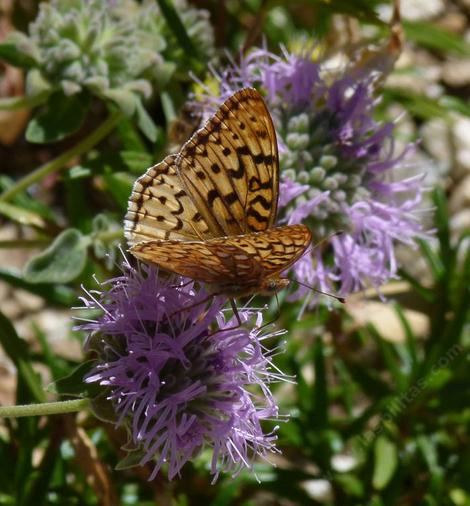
[44,408]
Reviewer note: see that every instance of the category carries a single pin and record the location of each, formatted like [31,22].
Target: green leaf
[18,50]
[177,27]
[120,186]
[61,117]
[137,161]
[145,122]
[61,262]
[433,37]
[16,349]
[58,295]
[21,215]
[73,384]
[320,392]
[126,100]
[385,462]
[132,459]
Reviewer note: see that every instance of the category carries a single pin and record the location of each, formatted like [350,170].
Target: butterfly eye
[273,286]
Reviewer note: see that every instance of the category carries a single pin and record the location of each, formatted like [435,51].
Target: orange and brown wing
[213,264]
[274,250]
[241,261]
[230,167]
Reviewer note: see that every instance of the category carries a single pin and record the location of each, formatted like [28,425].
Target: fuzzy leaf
[63,261]
[61,117]
[18,50]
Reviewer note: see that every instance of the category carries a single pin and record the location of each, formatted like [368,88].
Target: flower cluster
[338,165]
[112,49]
[179,376]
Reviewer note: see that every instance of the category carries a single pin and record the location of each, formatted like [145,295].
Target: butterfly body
[208,212]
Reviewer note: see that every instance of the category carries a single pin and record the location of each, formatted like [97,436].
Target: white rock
[343,463]
[461,138]
[460,198]
[436,135]
[318,489]
[414,10]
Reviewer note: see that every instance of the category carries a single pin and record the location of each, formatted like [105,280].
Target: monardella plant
[118,50]
[179,376]
[338,166]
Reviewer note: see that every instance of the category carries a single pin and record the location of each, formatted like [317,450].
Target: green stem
[58,163]
[23,243]
[44,408]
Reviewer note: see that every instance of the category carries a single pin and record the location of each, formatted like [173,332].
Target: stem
[44,408]
[23,243]
[58,163]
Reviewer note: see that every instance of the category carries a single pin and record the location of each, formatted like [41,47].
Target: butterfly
[208,212]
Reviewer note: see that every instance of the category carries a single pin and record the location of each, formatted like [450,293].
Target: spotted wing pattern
[240,262]
[159,208]
[230,167]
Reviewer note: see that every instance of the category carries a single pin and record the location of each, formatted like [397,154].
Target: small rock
[418,10]
[461,141]
[460,198]
[436,138]
[456,72]
[386,321]
[460,222]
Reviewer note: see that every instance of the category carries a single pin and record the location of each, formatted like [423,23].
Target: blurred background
[380,411]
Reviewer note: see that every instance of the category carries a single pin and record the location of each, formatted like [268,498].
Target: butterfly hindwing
[242,261]
[230,166]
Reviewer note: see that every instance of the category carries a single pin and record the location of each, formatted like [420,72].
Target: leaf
[433,37]
[320,391]
[119,184]
[59,295]
[137,161]
[16,349]
[63,261]
[74,385]
[126,100]
[132,459]
[18,50]
[385,462]
[178,28]
[61,117]
[145,122]
[21,215]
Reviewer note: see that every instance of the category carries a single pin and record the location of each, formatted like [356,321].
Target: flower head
[178,375]
[338,166]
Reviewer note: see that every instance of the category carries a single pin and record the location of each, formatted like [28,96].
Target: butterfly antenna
[339,299]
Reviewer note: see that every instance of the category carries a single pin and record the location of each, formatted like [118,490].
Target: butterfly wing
[159,208]
[230,167]
[274,250]
[235,265]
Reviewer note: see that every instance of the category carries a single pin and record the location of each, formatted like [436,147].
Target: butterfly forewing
[159,208]
[230,166]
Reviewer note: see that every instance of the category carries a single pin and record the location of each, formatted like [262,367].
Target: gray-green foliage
[121,50]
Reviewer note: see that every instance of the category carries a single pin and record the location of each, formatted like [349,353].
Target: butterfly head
[271,286]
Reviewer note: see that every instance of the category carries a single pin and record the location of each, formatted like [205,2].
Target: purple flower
[180,376]
[338,166]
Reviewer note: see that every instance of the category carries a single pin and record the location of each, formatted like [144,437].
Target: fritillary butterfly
[208,212]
